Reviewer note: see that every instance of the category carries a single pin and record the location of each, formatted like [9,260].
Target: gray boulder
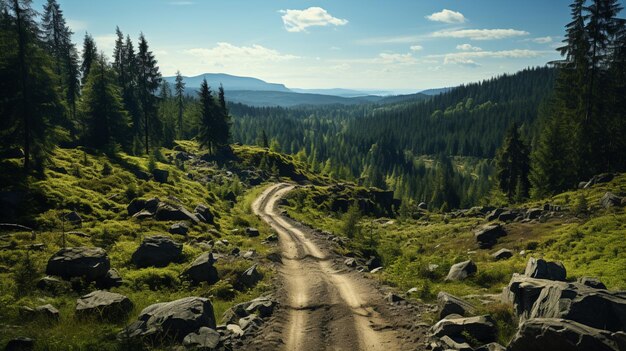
[158,251]
[481,328]
[542,269]
[487,236]
[451,344]
[204,339]
[160,175]
[502,254]
[609,200]
[507,216]
[541,298]
[250,277]
[563,335]
[90,263]
[180,228]
[110,280]
[165,212]
[534,213]
[202,270]
[598,179]
[45,311]
[461,270]
[205,212]
[53,285]
[103,305]
[449,304]
[174,320]
[493,215]
[592,282]
[252,232]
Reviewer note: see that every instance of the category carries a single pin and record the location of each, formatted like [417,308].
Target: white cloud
[466,57]
[407,39]
[447,16]
[300,20]
[105,42]
[76,25]
[392,58]
[416,47]
[542,40]
[479,34]
[226,53]
[468,47]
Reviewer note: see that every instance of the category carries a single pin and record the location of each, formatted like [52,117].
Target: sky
[395,45]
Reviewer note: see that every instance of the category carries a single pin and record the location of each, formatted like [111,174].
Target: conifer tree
[180,103]
[148,81]
[90,53]
[513,166]
[222,135]
[206,127]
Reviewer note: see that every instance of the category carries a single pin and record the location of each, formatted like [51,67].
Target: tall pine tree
[179,89]
[513,165]
[148,81]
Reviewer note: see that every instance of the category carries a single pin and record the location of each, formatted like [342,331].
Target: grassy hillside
[99,188]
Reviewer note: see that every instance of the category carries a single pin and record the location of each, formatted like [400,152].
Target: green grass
[101,199]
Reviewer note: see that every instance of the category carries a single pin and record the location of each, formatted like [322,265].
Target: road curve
[327,308]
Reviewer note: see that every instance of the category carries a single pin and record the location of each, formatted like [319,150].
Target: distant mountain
[229,82]
[340,92]
[432,92]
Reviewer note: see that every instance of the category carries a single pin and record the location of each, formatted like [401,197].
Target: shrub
[153,278]
[107,169]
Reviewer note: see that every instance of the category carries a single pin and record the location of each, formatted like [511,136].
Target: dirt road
[325,305]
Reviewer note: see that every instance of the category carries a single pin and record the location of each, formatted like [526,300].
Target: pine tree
[148,81]
[90,53]
[180,103]
[222,135]
[206,127]
[513,165]
[106,120]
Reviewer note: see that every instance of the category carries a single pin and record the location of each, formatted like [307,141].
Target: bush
[25,275]
[153,278]
[107,169]
[223,290]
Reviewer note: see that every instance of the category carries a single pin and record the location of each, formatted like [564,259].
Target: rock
[235,329]
[376,270]
[235,251]
[175,319]
[462,270]
[158,251]
[534,213]
[275,257]
[143,214]
[562,335]
[481,328]
[251,322]
[204,339]
[450,304]
[542,269]
[249,255]
[412,292]
[90,263]
[393,298]
[180,228]
[592,282]
[491,347]
[205,212]
[74,217]
[252,232]
[599,179]
[250,277]
[135,206]
[459,344]
[110,280]
[495,214]
[167,212]
[20,344]
[160,175]
[264,306]
[373,262]
[45,311]
[152,204]
[507,216]
[202,270]
[502,254]
[541,298]
[271,238]
[488,235]
[53,285]
[422,206]
[609,200]
[103,305]
[350,262]
[182,156]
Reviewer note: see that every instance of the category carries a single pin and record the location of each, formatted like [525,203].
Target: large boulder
[502,254]
[449,304]
[591,282]
[461,270]
[204,339]
[562,335]
[160,175]
[202,269]
[48,312]
[598,179]
[609,200]
[205,213]
[542,269]
[110,280]
[158,251]
[488,235]
[262,306]
[103,305]
[165,212]
[541,298]
[90,263]
[480,328]
[180,228]
[175,319]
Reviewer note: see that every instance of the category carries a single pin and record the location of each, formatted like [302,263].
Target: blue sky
[396,45]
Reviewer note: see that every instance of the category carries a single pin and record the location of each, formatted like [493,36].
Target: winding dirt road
[324,308]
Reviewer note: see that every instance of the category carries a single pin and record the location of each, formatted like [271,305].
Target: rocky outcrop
[172,320]
[542,269]
[202,269]
[449,304]
[562,335]
[165,212]
[90,263]
[158,251]
[462,270]
[502,254]
[487,236]
[609,200]
[103,305]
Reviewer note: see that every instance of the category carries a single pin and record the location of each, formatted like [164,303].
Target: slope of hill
[229,82]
